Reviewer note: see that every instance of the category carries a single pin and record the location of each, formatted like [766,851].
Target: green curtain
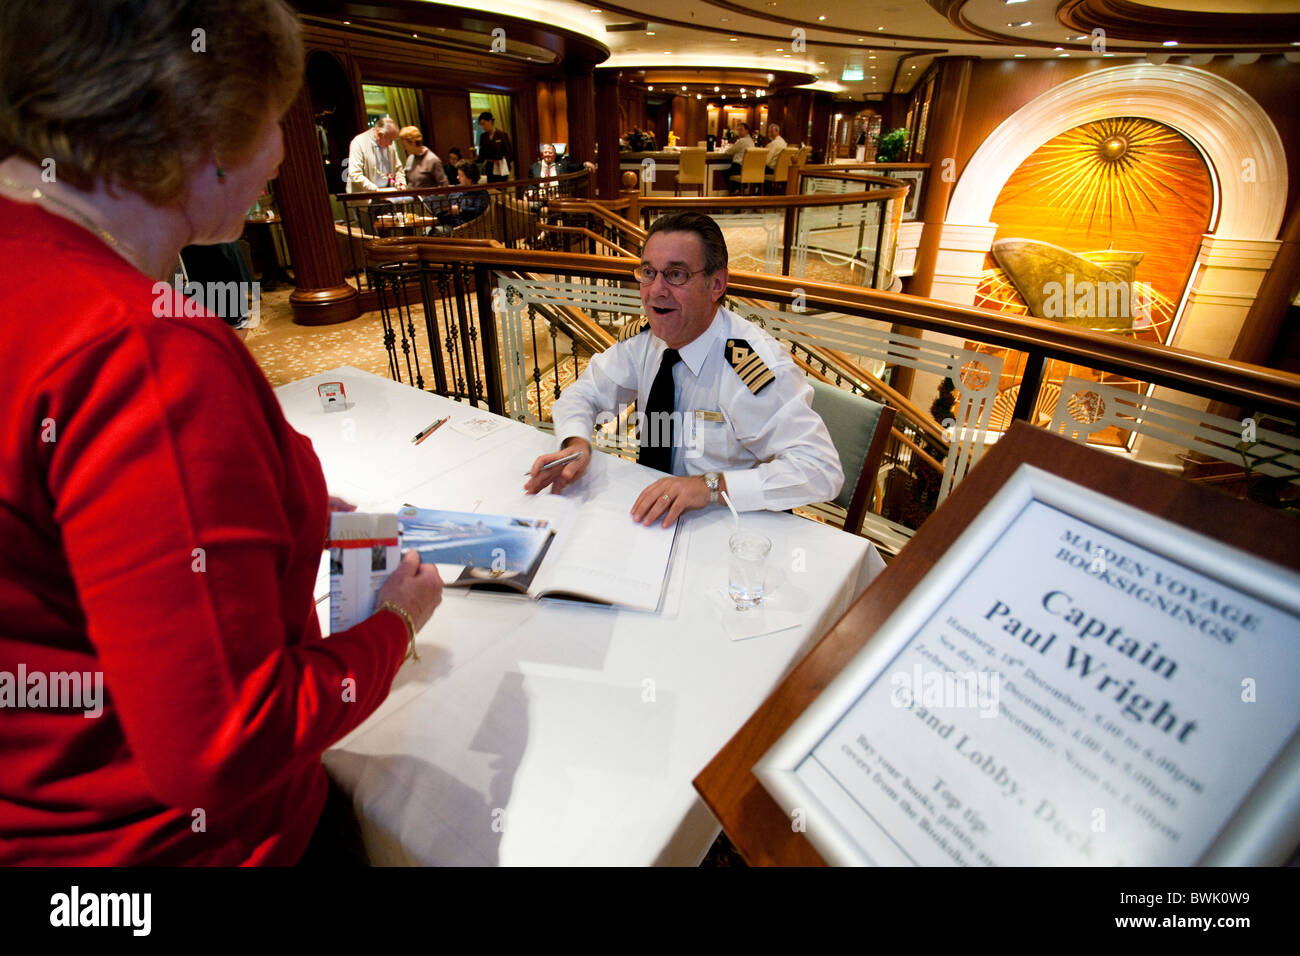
[404,108]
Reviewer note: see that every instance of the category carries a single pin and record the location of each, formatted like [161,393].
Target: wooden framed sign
[1075,680]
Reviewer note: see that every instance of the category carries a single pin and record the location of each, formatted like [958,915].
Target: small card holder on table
[332,396]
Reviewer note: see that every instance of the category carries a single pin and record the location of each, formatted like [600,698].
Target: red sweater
[219,693]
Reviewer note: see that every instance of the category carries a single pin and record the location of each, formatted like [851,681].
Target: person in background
[372,159]
[775,145]
[454,158]
[423,167]
[464,206]
[551,166]
[743,144]
[494,149]
[734,413]
[162,522]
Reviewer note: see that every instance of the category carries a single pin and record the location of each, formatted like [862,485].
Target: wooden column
[322,296]
[606,134]
[580,93]
[946,111]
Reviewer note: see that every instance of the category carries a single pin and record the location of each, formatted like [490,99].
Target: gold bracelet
[405,615]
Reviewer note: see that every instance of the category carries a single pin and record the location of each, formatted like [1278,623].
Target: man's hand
[561,476]
[669,498]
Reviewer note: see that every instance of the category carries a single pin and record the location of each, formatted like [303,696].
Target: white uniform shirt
[772,447]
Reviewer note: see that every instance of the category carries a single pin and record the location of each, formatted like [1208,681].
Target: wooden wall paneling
[678,123]
[449,123]
[580,109]
[608,122]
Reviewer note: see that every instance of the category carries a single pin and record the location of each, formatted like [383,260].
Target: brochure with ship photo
[591,554]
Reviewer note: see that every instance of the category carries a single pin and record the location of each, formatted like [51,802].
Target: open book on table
[564,549]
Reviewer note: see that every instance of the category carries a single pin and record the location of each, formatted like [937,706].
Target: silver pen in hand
[559,461]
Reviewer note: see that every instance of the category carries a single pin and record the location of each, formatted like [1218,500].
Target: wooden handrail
[890,189]
[584,231]
[1204,375]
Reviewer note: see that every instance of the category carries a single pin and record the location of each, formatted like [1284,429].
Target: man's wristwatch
[711,480]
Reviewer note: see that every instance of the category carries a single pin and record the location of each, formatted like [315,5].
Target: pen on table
[421,436]
[559,461]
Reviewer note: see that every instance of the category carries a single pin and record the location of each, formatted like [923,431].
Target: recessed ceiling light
[725,20]
[1058,48]
[347,23]
[1022,23]
[779,49]
[1108,54]
[716,89]
[699,96]
[822,17]
[415,35]
[683,89]
[1013,2]
[649,33]
[1062,54]
[594,10]
[786,55]
[668,52]
[880,28]
[871,57]
[1020,56]
[1170,43]
[651,88]
[733,39]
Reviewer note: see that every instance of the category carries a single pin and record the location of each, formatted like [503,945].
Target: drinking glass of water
[748,568]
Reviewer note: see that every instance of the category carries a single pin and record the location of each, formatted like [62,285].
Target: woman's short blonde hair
[410,134]
[132,92]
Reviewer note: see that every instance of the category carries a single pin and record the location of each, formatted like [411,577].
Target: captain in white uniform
[741,418]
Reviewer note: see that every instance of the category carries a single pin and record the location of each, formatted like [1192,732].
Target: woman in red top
[161,522]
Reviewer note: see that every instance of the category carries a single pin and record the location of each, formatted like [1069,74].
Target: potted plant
[890,146]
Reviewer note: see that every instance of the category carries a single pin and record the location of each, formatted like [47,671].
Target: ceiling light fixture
[1022,23]
[649,33]
[1170,43]
[1020,56]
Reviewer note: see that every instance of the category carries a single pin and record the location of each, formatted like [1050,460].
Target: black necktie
[657,435]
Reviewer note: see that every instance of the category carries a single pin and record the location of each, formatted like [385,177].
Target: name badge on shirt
[706,416]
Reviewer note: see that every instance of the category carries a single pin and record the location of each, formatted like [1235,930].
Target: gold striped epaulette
[753,371]
[633,328]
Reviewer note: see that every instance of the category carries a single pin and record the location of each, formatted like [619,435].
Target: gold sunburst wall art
[1125,183]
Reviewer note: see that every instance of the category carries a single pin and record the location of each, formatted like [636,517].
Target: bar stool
[691,169]
[752,169]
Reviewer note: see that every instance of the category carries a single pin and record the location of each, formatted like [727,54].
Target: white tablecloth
[545,732]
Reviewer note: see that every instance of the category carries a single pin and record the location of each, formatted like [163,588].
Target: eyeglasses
[674,275]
